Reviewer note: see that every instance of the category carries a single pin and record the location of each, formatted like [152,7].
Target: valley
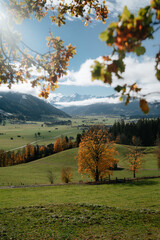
[75,207]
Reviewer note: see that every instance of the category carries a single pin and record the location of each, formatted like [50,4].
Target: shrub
[50,176]
[66,174]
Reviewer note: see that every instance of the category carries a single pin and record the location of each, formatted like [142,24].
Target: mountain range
[132,109]
[27,105]
[33,108]
[91,105]
[59,100]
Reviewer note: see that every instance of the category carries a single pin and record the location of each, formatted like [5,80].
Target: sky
[89,47]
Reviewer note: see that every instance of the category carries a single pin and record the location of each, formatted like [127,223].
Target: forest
[147,130]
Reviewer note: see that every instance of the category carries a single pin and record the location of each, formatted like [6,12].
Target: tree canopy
[124,36]
[96,155]
[17,59]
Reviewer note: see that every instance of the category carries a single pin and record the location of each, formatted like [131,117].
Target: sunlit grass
[36,172]
[137,195]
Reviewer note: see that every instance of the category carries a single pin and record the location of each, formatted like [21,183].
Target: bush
[50,176]
[66,174]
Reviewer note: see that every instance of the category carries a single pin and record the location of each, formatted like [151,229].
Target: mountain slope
[27,105]
[132,109]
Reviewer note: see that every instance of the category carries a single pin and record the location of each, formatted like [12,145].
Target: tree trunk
[97,175]
[134,173]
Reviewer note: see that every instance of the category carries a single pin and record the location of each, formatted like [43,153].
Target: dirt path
[116,181]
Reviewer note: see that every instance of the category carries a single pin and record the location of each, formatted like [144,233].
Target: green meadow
[136,195]
[116,211]
[78,221]
[34,173]
[23,134]
[76,211]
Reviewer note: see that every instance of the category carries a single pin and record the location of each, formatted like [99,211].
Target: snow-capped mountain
[58,98]
[92,105]
[76,99]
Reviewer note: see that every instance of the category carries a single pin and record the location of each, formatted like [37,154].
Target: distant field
[26,132]
[36,172]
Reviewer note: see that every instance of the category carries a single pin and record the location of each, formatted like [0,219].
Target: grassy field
[78,222]
[125,196]
[36,172]
[121,211]
[47,134]
[27,134]
[115,211]
[127,211]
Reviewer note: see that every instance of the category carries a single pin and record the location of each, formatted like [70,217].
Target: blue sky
[89,47]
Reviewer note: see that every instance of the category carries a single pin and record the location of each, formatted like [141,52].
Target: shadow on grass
[118,169]
[128,182]
[142,183]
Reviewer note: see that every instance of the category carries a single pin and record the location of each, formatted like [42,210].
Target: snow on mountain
[60,101]
[58,98]
[76,99]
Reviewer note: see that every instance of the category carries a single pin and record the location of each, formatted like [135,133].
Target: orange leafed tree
[64,143]
[135,161]
[135,157]
[96,156]
[58,145]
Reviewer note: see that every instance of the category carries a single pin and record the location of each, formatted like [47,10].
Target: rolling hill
[27,105]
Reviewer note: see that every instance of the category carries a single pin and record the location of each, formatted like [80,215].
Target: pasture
[122,211]
[25,134]
[75,211]
[34,173]
[18,135]
[136,195]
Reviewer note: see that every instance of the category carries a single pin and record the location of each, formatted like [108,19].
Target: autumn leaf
[144,106]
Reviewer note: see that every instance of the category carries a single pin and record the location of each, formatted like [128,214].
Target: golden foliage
[58,145]
[66,174]
[126,36]
[135,157]
[96,156]
[64,143]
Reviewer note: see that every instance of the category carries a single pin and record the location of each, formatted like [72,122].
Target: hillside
[35,172]
[132,109]
[27,105]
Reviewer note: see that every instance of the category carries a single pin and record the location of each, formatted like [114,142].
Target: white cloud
[133,5]
[25,88]
[140,71]
[83,76]
[88,102]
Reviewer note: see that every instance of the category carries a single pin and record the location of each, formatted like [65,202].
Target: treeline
[147,130]
[31,152]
